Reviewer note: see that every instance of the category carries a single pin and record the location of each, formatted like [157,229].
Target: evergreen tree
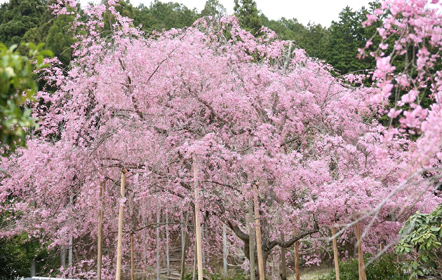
[346,37]
[213,8]
[17,18]
[161,15]
[59,39]
[248,15]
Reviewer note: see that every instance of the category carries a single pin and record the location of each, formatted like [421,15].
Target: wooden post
[120,226]
[167,244]
[225,250]
[71,245]
[63,256]
[100,232]
[132,256]
[283,261]
[258,234]
[362,275]
[298,273]
[158,243]
[335,252]
[194,263]
[197,221]
[251,242]
[184,242]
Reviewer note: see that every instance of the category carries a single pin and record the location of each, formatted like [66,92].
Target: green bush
[383,268]
[421,239]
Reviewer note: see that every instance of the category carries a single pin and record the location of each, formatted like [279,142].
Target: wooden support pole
[252,233]
[335,252]
[225,253]
[185,242]
[100,232]
[167,244]
[120,226]
[358,231]
[258,234]
[197,221]
[158,243]
[298,272]
[283,261]
[132,256]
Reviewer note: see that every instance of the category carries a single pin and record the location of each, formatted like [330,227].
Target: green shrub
[383,268]
[421,239]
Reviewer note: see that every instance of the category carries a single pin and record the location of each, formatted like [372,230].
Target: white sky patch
[318,11]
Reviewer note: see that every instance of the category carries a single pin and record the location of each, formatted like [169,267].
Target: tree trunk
[258,235]
[100,232]
[335,253]
[197,222]
[362,275]
[120,226]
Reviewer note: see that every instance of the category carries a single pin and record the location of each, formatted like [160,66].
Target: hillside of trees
[33,21]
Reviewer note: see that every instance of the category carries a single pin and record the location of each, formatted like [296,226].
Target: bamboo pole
[71,244]
[335,252]
[362,275]
[194,263]
[158,243]
[132,256]
[197,221]
[167,244]
[225,250]
[184,243]
[100,232]
[258,234]
[251,242]
[120,226]
[298,272]
[283,261]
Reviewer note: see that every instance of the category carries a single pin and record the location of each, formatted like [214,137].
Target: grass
[312,273]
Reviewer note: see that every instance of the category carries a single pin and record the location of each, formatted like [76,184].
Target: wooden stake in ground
[100,232]
[120,226]
[225,250]
[199,254]
[132,256]
[158,243]
[335,252]
[167,244]
[283,261]
[258,234]
[251,242]
[362,275]
[298,273]
[184,243]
